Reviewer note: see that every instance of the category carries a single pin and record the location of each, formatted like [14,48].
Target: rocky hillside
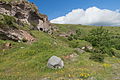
[71,52]
[15,16]
[21,61]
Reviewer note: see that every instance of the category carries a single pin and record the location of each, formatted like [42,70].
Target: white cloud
[90,16]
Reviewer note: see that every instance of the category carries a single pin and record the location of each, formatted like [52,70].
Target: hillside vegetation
[24,61]
[88,52]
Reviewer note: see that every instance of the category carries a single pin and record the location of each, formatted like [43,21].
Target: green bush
[71,37]
[100,38]
[75,36]
[78,43]
[115,43]
[97,57]
[115,52]
[7,21]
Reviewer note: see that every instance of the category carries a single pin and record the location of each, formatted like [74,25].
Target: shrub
[116,43]
[78,43]
[100,38]
[9,20]
[71,37]
[97,57]
[75,36]
[115,52]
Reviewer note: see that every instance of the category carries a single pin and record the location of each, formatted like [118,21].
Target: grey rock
[45,79]
[55,63]
[79,50]
[87,48]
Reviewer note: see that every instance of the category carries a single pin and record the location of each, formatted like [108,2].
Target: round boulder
[55,63]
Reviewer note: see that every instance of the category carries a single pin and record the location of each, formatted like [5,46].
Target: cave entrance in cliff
[41,29]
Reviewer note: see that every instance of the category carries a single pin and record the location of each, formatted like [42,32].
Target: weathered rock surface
[55,63]
[26,12]
[16,35]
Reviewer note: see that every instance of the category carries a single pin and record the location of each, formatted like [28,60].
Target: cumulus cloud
[90,16]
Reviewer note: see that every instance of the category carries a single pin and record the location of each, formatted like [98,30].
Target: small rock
[8,45]
[55,63]
[22,47]
[71,57]
[45,79]
[83,48]
[79,50]
[89,47]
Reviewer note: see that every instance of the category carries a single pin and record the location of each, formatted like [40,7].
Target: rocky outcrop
[27,13]
[17,14]
[16,35]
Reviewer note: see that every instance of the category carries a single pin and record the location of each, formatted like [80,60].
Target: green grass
[85,29]
[33,57]
[28,61]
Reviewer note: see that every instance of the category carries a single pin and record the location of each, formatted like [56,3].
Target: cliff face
[24,13]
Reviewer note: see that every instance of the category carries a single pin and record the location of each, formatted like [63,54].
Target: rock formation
[24,13]
[27,13]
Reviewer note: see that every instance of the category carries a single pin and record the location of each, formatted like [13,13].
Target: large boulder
[55,63]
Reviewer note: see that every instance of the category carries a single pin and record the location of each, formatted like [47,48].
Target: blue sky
[56,8]
[85,12]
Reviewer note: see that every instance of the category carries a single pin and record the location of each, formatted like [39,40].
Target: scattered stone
[55,63]
[116,78]
[79,50]
[46,79]
[87,48]
[63,35]
[71,57]
[22,47]
[8,45]
[83,48]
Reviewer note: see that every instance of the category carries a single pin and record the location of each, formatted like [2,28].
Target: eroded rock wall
[27,13]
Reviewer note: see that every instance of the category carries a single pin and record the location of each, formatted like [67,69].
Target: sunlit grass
[29,62]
